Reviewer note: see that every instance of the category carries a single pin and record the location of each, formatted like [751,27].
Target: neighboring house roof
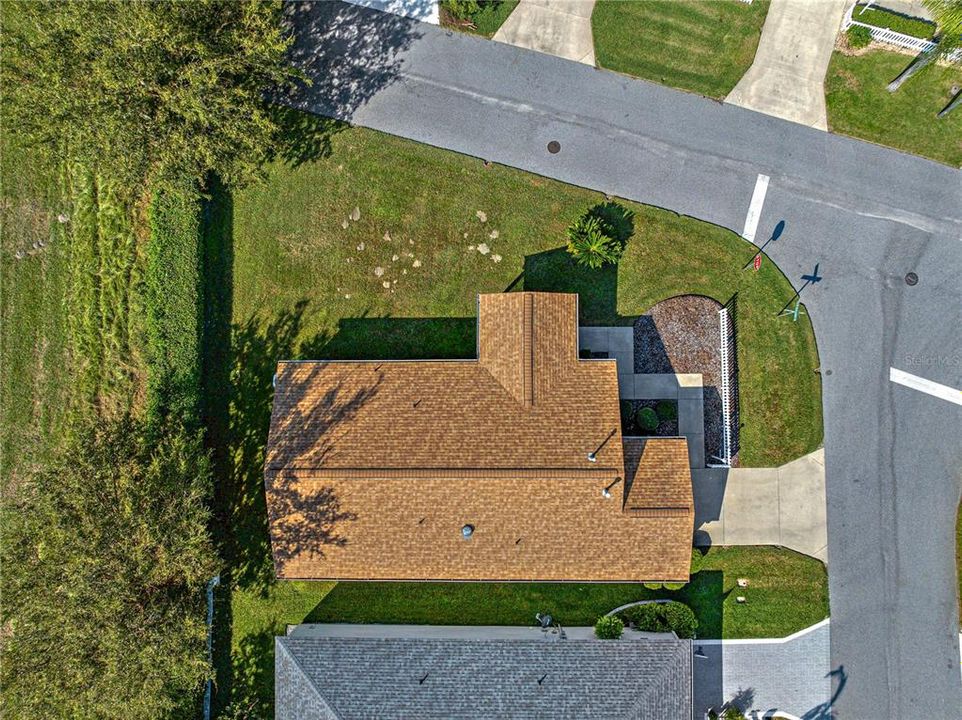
[343,678]
[374,467]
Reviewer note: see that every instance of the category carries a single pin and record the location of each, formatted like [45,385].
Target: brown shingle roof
[657,477]
[373,467]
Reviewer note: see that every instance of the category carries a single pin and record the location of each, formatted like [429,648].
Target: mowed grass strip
[787,592]
[33,327]
[703,47]
[859,104]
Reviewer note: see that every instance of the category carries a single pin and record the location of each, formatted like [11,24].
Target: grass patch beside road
[787,592]
[490,16]
[859,104]
[704,47]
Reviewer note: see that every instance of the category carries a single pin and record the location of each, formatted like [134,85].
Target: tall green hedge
[173,300]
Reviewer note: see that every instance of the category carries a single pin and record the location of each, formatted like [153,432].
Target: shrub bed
[889,20]
[672,616]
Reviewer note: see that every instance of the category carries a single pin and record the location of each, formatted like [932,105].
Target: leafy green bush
[589,245]
[672,616]
[609,627]
[858,36]
[647,419]
[109,543]
[173,303]
[461,9]
[666,410]
[890,20]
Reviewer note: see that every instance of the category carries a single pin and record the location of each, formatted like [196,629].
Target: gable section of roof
[657,477]
[528,341]
[295,693]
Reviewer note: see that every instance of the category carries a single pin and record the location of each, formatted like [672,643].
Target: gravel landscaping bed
[680,335]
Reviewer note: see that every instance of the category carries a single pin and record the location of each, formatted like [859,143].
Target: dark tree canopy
[137,88]
[106,555]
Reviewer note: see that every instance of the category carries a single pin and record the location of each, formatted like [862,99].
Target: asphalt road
[867,215]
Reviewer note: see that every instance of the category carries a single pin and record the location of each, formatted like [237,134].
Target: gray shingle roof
[345,678]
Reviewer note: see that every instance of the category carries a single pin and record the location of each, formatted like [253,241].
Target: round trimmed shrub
[647,419]
[609,627]
[672,616]
[858,36]
[666,410]
[627,417]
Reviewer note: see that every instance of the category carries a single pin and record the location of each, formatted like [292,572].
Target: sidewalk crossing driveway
[791,674]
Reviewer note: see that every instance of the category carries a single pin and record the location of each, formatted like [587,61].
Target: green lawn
[292,275]
[33,327]
[697,45]
[860,106]
[786,592]
[485,22]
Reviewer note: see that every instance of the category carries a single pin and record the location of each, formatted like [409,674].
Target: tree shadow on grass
[303,137]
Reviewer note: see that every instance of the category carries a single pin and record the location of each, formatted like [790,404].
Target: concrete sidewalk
[787,77]
[556,27]
[764,506]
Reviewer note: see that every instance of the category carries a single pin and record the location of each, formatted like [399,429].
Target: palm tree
[948,16]
[589,245]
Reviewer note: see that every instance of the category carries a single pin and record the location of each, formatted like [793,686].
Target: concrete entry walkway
[764,506]
[556,27]
[787,78]
[790,674]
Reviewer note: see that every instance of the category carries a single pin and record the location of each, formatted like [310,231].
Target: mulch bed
[680,335]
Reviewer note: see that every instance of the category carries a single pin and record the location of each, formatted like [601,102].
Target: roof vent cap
[467,531]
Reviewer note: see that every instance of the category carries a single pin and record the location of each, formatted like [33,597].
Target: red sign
[758,261]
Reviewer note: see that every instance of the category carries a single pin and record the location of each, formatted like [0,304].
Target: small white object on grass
[484,249]
[742,582]
[387,237]
[344,224]
[496,258]
[493,234]
[482,216]
[378,271]
[741,599]
[63,218]
[386,284]
[416,263]
[360,246]
[356,213]
[394,258]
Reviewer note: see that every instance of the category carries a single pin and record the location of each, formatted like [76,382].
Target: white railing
[724,332]
[884,35]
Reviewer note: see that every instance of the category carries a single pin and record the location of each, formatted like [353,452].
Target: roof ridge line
[540,472]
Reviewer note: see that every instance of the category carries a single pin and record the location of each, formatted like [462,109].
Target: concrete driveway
[764,506]
[787,77]
[557,27]
[866,214]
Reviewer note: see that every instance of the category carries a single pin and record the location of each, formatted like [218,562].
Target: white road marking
[755,208]
[927,386]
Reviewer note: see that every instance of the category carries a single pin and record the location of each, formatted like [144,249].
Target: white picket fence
[891,37]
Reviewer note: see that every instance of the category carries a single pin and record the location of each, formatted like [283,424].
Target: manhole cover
[911,279]
[554,147]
